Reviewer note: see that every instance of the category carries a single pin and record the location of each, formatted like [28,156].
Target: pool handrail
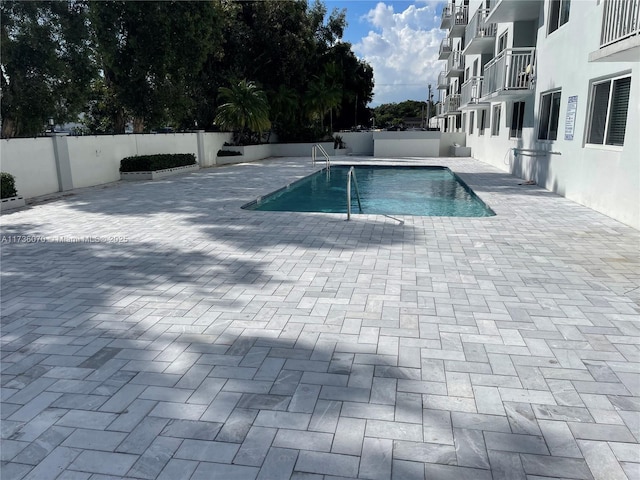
[317,146]
[352,175]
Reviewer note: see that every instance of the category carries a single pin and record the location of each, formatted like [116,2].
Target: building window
[502,41]
[483,119]
[471,120]
[558,14]
[608,111]
[495,127]
[517,116]
[549,114]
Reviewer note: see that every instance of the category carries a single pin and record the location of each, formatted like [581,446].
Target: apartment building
[549,91]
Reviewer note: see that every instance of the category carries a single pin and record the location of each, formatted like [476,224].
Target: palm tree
[321,97]
[245,110]
[284,104]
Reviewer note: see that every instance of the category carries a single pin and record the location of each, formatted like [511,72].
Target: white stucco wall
[360,143]
[212,143]
[96,159]
[152,144]
[32,163]
[604,178]
[406,144]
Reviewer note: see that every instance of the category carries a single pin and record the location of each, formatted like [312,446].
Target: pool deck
[155,330]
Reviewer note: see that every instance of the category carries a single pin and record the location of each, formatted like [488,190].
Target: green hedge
[228,153]
[7,185]
[150,163]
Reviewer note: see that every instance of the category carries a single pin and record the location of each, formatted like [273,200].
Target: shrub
[228,153]
[7,185]
[150,163]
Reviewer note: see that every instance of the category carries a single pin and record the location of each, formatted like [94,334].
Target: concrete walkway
[156,330]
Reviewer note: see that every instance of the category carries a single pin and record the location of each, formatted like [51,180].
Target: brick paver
[190,339]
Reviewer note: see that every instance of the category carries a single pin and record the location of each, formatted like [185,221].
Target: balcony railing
[445,48]
[512,69]
[620,20]
[451,103]
[478,28]
[447,14]
[443,81]
[471,91]
[459,20]
[455,63]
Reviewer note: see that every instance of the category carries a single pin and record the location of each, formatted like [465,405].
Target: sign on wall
[570,121]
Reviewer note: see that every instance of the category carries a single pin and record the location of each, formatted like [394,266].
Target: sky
[400,40]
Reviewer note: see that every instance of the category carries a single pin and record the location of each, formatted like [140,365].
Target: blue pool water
[420,191]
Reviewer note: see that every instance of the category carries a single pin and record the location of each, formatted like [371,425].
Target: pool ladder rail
[352,176]
[314,154]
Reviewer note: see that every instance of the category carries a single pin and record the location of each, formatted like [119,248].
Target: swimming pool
[386,190]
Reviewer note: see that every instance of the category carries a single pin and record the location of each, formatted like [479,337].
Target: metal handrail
[317,146]
[350,175]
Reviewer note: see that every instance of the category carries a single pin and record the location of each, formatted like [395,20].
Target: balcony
[508,11]
[620,33]
[455,64]
[447,17]
[443,81]
[459,20]
[471,93]
[480,36]
[451,104]
[510,75]
[445,48]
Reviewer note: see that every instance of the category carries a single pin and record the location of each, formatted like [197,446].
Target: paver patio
[221,343]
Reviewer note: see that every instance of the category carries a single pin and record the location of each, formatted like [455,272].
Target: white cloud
[402,48]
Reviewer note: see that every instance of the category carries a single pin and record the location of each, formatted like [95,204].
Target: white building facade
[549,90]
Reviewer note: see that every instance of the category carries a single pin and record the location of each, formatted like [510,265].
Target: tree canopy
[168,63]
[395,114]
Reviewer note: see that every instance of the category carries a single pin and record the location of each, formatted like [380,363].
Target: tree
[46,66]
[150,55]
[245,110]
[393,114]
[322,96]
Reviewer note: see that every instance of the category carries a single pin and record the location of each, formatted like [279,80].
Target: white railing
[460,15]
[451,103]
[443,81]
[620,19]
[446,16]
[352,176]
[455,61]
[314,154]
[478,27]
[445,47]
[512,69]
[471,91]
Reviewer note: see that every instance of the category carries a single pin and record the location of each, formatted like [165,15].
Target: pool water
[420,191]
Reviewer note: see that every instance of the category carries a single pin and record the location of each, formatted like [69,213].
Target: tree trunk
[119,122]
[8,128]
[138,124]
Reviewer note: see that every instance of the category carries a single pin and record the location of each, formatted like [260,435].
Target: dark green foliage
[228,153]
[393,114]
[162,63]
[150,163]
[245,111]
[151,54]
[46,64]
[7,185]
